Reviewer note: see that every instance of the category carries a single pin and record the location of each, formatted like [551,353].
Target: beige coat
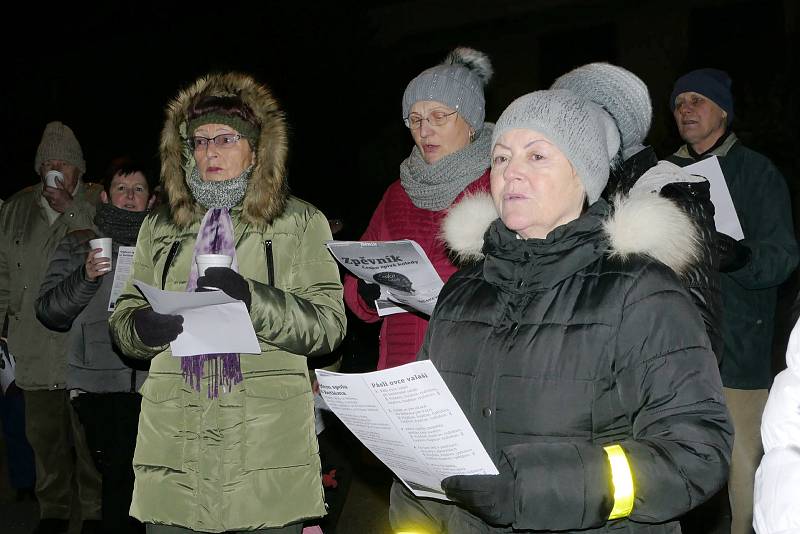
[26,242]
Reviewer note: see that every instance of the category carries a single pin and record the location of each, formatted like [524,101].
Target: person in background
[444,110]
[32,223]
[580,361]
[751,268]
[777,482]
[226,442]
[74,297]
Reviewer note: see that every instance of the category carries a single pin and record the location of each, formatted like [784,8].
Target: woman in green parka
[226,441]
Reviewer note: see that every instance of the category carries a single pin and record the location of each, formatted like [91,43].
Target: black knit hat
[713,84]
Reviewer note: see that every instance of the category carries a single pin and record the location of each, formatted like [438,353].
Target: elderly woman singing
[571,346]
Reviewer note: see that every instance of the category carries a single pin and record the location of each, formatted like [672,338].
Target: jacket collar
[720,148]
[521,264]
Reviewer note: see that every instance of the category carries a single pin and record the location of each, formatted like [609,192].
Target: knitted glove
[490,497]
[732,254]
[229,281]
[369,293]
[156,329]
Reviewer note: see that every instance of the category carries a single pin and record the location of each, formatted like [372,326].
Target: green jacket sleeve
[307,317]
[770,235]
[121,322]
[679,437]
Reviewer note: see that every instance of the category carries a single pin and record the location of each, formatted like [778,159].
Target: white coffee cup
[53,178]
[204,261]
[103,243]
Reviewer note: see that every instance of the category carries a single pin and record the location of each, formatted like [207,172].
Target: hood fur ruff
[641,223]
[267,190]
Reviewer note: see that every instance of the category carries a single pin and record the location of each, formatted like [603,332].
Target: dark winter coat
[749,295]
[558,347]
[701,279]
[69,302]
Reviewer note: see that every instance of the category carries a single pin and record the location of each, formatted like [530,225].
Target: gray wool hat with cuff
[457,82]
[621,93]
[584,132]
[58,142]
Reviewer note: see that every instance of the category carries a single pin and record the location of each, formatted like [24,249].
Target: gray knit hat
[58,142]
[581,129]
[618,91]
[457,82]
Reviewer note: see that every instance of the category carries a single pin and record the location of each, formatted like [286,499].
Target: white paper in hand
[213,322]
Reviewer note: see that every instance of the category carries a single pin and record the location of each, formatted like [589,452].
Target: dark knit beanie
[713,84]
[58,142]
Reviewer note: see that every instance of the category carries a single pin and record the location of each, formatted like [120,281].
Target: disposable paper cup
[52,178]
[204,261]
[105,244]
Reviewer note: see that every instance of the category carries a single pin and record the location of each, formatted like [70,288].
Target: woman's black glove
[732,254]
[490,497]
[369,292]
[156,329]
[227,280]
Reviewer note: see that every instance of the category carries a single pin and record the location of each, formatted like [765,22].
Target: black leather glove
[732,254]
[490,497]
[229,281]
[156,329]
[369,293]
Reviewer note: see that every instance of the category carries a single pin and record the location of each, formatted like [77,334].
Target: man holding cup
[32,222]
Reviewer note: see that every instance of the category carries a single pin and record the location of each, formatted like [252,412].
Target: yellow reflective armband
[623,482]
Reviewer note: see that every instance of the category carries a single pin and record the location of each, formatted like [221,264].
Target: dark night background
[340,68]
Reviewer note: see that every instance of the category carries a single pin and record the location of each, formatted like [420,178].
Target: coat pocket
[279,422]
[96,351]
[162,426]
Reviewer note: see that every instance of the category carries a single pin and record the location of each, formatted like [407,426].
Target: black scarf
[121,225]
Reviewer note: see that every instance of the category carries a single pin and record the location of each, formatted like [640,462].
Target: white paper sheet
[122,273]
[213,322]
[408,418]
[725,217]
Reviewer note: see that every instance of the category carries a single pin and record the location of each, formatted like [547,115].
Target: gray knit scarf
[225,194]
[434,187]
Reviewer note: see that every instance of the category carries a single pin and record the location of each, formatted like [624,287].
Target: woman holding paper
[572,347]
[444,110]
[226,441]
[75,296]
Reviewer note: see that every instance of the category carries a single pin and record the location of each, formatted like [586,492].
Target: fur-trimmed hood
[642,222]
[267,190]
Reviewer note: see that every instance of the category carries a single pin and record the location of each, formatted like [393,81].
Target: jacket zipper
[270,262]
[173,250]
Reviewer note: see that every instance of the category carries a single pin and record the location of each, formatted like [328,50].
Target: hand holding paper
[213,322]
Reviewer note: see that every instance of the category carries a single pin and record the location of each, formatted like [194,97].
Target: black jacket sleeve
[65,291]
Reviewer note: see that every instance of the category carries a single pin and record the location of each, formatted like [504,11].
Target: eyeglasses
[437,118]
[199,142]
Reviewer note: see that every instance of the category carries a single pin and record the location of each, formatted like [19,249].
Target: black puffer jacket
[556,348]
[694,198]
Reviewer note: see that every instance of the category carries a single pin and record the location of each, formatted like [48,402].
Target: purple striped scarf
[215,237]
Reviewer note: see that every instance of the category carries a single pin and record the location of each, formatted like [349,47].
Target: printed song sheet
[409,419]
[401,268]
[122,272]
